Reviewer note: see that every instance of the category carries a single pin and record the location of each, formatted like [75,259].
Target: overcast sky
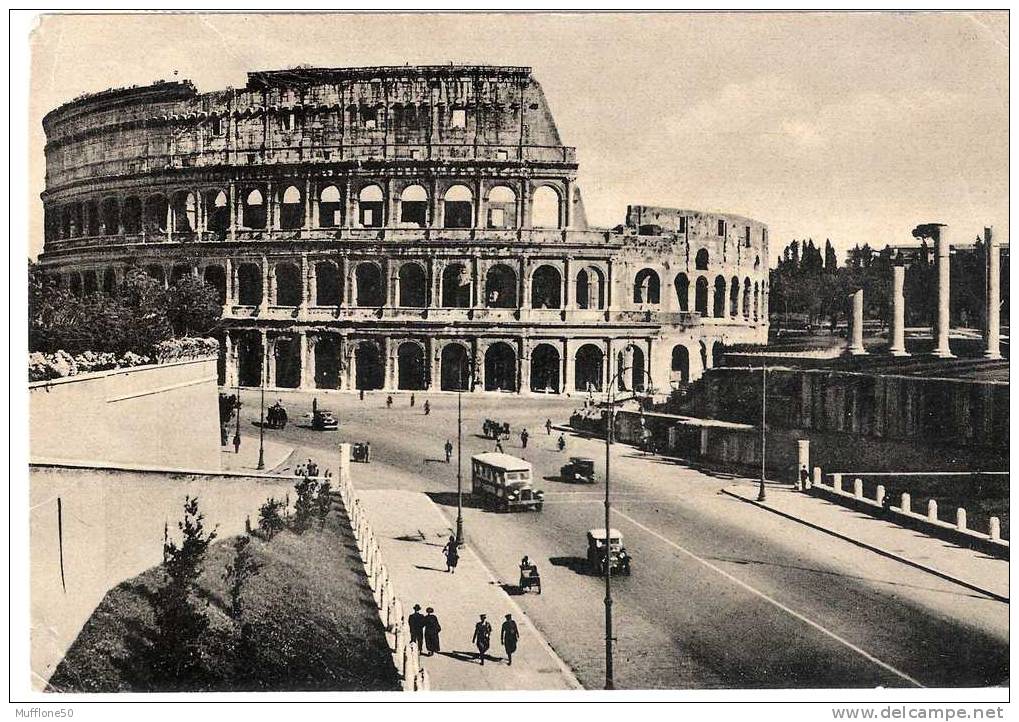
[852,126]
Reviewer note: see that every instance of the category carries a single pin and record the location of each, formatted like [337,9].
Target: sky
[848,126]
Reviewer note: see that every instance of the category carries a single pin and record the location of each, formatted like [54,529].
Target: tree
[180,626]
[324,501]
[831,261]
[270,521]
[238,572]
[305,506]
[192,307]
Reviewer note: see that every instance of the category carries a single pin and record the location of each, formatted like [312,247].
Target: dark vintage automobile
[324,420]
[607,549]
[361,452]
[578,469]
[496,429]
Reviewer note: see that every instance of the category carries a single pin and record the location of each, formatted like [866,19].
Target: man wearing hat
[416,621]
[510,635]
[482,637]
[432,629]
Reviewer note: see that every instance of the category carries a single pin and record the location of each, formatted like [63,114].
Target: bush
[189,347]
[270,521]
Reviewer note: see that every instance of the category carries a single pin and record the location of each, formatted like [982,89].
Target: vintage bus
[504,482]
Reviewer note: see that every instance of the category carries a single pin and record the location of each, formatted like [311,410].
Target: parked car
[324,420]
[578,468]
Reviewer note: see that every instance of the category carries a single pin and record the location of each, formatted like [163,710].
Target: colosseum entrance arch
[587,368]
[501,287]
[680,365]
[249,358]
[327,363]
[369,366]
[701,296]
[455,371]
[500,367]
[287,352]
[545,366]
[411,367]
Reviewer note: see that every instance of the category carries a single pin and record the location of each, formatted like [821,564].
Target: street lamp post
[237,413]
[261,411]
[459,454]
[761,495]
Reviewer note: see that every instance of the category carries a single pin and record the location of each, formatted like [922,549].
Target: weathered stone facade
[396,228]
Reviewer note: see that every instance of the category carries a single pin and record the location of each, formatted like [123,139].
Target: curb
[877,550]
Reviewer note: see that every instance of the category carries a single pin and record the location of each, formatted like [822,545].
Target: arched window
[370,207]
[327,362]
[734,297]
[680,365]
[414,207]
[456,286]
[545,369]
[502,208]
[411,370]
[291,209]
[368,288]
[369,366]
[500,367]
[719,300]
[501,287]
[757,290]
[330,207]
[413,286]
[253,210]
[132,215]
[249,284]
[184,212]
[587,368]
[701,261]
[546,288]
[110,282]
[701,297]
[215,276]
[288,284]
[458,207]
[95,222]
[328,284]
[590,288]
[111,217]
[156,211]
[746,298]
[646,287]
[455,371]
[545,208]
[217,211]
[682,284]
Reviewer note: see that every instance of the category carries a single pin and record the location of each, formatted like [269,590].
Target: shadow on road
[577,565]
[471,657]
[436,461]
[555,477]
[448,498]
[511,589]
[430,569]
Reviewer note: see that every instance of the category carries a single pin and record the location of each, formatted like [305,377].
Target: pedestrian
[509,636]
[432,629]
[562,442]
[367,452]
[270,417]
[428,408]
[312,468]
[448,449]
[416,622]
[498,446]
[548,426]
[282,418]
[389,401]
[523,439]
[361,394]
[482,637]
[299,471]
[237,443]
[804,478]
[412,401]
[452,555]
[314,405]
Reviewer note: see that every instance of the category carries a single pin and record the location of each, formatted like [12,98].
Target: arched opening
[701,296]
[719,300]
[456,286]
[370,207]
[734,297]
[413,286]
[217,211]
[157,274]
[368,289]
[369,367]
[647,287]
[458,207]
[253,213]
[502,208]
[501,287]
[701,260]
[682,284]
[327,362]
[546,288]
[411,367]
[95,222]
[757,291]
[414,207]
[249,284]
[500,367]
[287,353]
[716,353]
[156,209]
[291,209]
[705,357]
[545,208]
[330,207]
[680,365]
[328,284]
[75,283]
[454,367]
[590,288]
[215,276]
[111,217]
[91,282]
[132,216]
[288,284]
[587,368]
[746,298]
[180,271]
[109,282]
[545,368]
[638,371]
[184,212]
[249,358]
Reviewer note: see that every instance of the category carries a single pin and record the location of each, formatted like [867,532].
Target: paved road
[722,595]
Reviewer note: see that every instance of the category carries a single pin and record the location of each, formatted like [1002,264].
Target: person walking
[237,443]
[361,394]
[416,622]
[428,408]
[431,632]
[524,436]
[482,637]
[561,443]
[412,401]
[448,449]
[389,401]
[509,637]
[498,446]
[367,452]
[548,426]
[452,555]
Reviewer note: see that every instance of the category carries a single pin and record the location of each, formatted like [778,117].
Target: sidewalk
[247,458]
[411,531]
[972,568]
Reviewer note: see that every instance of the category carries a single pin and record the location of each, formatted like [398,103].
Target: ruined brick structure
[396,228]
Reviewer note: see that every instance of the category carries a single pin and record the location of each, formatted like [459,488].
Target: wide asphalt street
[722,595]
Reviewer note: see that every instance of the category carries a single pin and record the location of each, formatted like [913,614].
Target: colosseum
[413,227]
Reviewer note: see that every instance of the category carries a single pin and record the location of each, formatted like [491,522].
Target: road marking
[773,601]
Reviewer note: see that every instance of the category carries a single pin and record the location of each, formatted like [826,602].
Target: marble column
[942,253]
[992,325]
[856,326]
[898,334]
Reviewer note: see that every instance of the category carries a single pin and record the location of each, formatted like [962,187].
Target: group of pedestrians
[425,630]
[276,416]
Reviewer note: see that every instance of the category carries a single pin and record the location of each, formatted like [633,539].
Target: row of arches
[287,208]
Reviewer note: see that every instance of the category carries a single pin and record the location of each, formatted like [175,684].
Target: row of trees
[139,314]
[813,286]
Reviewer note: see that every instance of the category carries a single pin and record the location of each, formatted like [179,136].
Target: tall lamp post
[261,410]
[609,431]
[761,495]
[459,454]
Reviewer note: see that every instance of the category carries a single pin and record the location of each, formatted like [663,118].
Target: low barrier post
[932,510]
[836,482]
[906,504]
[995,524]
[858,488]
[960,518]
[879,495]
[802,464]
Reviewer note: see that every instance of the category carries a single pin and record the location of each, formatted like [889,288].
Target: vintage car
[361,452]
[324,420]
[578,468]
[496,429]
[608,549]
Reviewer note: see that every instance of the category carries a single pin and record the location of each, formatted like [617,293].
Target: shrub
[270,521]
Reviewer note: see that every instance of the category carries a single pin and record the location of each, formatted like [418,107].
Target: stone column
[567,213]
[568,285]
[568,376]
[266,290]
[992,325]
[233,211]
[523,367]
[231,283]
[898,340]
[228,360]
[856,326]
[307,365]
[308,214]
[942,251]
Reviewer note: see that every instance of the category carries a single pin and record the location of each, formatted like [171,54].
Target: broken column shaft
[898,335]
[992,332]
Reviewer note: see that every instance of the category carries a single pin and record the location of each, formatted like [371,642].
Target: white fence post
[960,518]
[858,488]
[995,528]
[879,495]
[818,477]
[932,510]
[836,482]
[906,503]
